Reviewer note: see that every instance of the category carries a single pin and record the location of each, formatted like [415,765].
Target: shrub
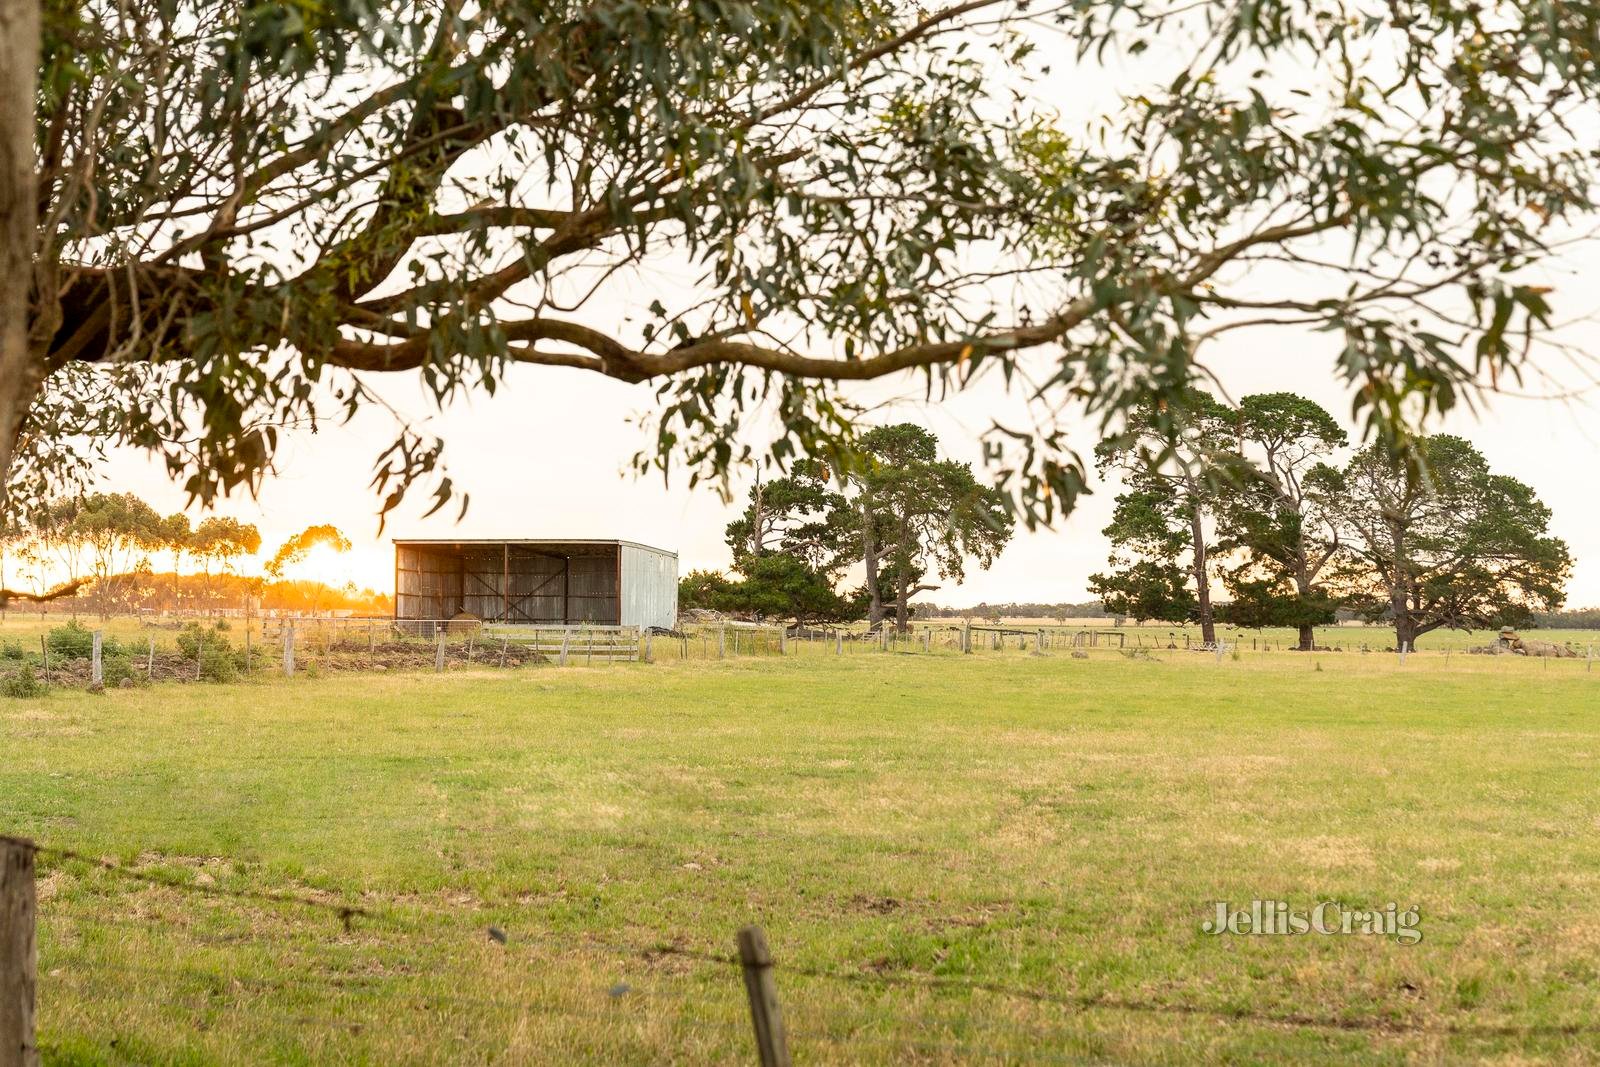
[76,641]
[219,665]
[120,669]
[194,637]
[22,683]
[72,641]
[12,650]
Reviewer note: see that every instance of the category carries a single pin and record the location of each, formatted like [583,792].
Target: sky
[549,455]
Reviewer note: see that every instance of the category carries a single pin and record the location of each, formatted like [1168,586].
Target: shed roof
[462,542]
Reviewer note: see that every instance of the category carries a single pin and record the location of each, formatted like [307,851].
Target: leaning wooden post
[18,954]
[771,1045]
[44,652]
[97,671]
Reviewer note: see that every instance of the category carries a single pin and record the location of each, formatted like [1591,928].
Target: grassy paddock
[1044,823]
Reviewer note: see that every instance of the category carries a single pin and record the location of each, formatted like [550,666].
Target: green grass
[1049,824]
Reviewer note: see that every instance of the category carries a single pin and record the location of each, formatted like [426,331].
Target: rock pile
[1510,643]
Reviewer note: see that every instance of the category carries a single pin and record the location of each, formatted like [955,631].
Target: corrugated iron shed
[536,581]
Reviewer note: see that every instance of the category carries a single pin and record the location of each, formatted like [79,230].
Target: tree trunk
[1405,625]
[1202,577]
[902,582]
[869,554]
[1302,585]
[1308,637]
[19,67]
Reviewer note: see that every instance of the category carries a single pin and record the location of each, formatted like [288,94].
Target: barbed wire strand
[346,912]
[1085,1001]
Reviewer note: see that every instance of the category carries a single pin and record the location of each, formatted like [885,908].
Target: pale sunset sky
[548,457]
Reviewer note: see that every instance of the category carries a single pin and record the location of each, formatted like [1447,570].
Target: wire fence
[73,656]
[758,968]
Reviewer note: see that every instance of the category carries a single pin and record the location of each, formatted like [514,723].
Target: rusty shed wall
[509,582]
[427,583]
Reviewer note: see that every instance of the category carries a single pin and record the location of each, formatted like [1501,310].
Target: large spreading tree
[218,220]
[910,514]
[788,549]
[1280,513]
[1174,462]
[1446,542]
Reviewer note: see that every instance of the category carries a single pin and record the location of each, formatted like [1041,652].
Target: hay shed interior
[536,582]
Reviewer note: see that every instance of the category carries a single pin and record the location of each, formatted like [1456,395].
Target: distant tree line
[1088,609]
[1265,498]
[113,542]
[1256,495]
[1574,619]
[897,511]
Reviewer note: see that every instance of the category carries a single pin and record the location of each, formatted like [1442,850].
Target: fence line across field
[289,645]
[19,904]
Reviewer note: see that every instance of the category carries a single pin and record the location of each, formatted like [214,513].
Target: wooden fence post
[565,635]
[783,640]
[722,641]
[288,650]
[18,954]
[838,642]
[97,669]
[44,651]
[249,657]
[771,1044]
[438,653]
[150,657]
[647,635]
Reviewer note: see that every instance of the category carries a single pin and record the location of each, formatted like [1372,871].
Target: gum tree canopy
[222,219]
